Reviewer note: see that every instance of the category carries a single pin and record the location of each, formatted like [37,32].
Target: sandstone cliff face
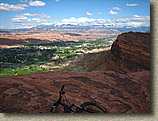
[36,92]
[131,52]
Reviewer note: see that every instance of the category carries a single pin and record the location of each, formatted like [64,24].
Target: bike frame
[67,108]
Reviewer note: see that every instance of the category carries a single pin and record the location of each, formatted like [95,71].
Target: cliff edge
[131,52]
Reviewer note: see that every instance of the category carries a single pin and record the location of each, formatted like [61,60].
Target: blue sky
[29,13]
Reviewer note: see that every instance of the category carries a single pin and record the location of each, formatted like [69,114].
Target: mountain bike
[86,107]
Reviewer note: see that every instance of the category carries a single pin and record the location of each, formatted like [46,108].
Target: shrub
[7,72]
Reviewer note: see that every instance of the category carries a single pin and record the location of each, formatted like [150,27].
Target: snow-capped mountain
[79,26]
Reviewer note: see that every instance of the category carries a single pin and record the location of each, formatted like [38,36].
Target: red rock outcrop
[36,92]
[118,93]
[130,52]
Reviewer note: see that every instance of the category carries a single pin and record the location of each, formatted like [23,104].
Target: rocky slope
[36,92]
[88,62]
[118,93]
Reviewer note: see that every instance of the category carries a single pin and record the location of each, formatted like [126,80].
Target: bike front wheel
[91,107]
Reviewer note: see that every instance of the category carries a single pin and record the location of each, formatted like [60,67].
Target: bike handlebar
[62,88]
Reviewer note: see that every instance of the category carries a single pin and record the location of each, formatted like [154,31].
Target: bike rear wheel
[91,107]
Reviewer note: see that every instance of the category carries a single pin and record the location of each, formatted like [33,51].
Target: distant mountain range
[71,26]
[79,26]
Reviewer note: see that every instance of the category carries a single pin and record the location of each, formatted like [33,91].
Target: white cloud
[28,14]
[117,8]
[37,20]
[84,20]
[70,21]
[25,14]
[75,21]
[100,13]
[37,3]
[48,23]
[43,16]
[133,21]
[23,5]
[7,7]
[89,14]
[136,16]
[112,12]
[26,24]
[1,27]
[100,21]
[3,8]
[26,19]
[140,18]
[57,0]
[24,1]
[131,4]
[20,19]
